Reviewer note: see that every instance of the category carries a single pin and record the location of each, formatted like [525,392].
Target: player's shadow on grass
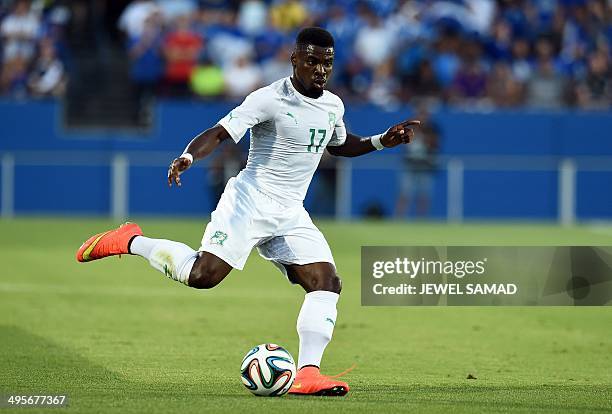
[32,363]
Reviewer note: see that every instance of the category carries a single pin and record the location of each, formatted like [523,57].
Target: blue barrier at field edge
[36,128]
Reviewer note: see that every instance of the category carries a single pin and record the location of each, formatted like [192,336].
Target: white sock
[142,246]
[173,259]
[315,326]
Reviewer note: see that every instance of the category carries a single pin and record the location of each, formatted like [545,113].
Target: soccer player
[292,121]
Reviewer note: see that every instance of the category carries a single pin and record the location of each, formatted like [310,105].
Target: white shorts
[246,218]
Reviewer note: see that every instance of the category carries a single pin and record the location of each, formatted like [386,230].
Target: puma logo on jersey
[289,114]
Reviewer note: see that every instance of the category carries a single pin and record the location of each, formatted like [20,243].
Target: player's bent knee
[316,276]
[335,284]
[328,282]
[208,271]
[204,277]
[201,279]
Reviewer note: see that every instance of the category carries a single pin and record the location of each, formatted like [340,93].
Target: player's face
[312,66]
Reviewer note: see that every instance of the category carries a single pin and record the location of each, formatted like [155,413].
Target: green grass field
[115,335]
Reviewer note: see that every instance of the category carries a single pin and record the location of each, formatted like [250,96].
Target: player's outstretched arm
[198,148]
[355,145]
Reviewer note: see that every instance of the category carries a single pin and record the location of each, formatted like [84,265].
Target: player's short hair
[315,36]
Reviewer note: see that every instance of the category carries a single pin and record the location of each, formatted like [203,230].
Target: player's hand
[401,133]
[176,169]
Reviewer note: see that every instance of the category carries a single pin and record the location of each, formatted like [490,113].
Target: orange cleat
[109,243]
[309,381]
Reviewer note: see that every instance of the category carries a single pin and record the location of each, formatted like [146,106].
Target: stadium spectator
[499,45]
[242,77]
[344,28]
[416,182]
[173,9]
[252,17]
[48,77]
[288,15]
[19,31]
[503,90]
[55,23]
[546,88]
[267,44]
[384,86]
[470,83]
[181,47]
[277,67]
[375,41]
[520,64]
[207,80]
[445,60]
[595,91]
[422,83]
[132,20]
[473,16]
[225,41]
[145,53]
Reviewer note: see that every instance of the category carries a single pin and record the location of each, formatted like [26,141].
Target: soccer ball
[268,370]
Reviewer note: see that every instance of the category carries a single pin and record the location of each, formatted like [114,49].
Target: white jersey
[289,132]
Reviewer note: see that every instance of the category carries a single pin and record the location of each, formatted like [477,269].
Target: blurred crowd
[473,53]
[540,53]
[33,48]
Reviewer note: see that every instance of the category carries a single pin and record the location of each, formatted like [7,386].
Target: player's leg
[226,244]
[317,317]
[176,260]
[303,255]
[315,276]
[200,270]
[208,271]
[315,326]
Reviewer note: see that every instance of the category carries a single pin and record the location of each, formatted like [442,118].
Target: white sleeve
[258,107]
[122,23]
[7,27]
[339,135]
[49,80]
